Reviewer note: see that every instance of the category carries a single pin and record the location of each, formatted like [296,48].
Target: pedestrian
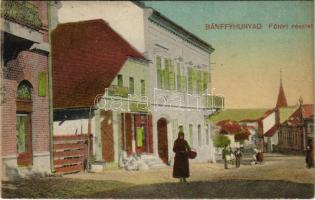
[225,157]
[309,159]
[238,157]
[181,163]
[260,156]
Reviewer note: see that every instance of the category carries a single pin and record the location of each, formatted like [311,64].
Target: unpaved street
[278,177]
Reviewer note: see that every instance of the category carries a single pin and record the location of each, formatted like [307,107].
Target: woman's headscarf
[181,134]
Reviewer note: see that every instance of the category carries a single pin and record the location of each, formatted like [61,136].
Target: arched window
[24,91]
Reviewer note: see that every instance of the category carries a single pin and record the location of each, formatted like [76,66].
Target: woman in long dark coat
[309,156]
[181,164]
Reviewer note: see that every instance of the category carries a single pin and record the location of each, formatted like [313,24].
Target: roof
[307,112]
[86,57]
[282,100]
[238,115]
[286,112]
[272,131]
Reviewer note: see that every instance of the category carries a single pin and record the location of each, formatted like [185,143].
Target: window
[199,135]
[120,80]
[142,87]
[191,134]
[24,91]
[131,85]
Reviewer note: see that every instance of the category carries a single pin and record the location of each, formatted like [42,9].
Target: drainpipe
[50,93]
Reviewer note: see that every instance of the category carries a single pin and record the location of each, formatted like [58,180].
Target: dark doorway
[107,136]
[162,140]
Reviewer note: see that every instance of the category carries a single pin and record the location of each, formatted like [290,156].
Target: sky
[246,63]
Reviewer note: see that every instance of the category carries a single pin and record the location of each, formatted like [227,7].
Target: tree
[222,141]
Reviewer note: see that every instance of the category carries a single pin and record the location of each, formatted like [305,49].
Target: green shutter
[42,84]
[159,78]
[178,78]
[159,72]
[166,74]
[199,81]
[183,83]
[140,137]
[172,80]
[205,80]
[190,80]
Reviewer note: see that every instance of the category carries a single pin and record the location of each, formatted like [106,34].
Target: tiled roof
[86,57]
[286,112]
[307,111]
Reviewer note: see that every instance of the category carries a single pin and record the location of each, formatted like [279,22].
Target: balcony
[23,13]
[216,102]
[115,90]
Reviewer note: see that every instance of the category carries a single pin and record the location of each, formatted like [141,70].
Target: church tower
[281,101]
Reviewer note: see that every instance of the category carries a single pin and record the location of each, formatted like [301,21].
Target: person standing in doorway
[181,163]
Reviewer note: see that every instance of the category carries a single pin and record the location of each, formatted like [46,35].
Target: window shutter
[166,74]
[159,72]
[42,84]
[190,79]
[159,78]
[178,78]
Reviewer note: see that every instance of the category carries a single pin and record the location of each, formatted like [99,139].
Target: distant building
[298,130]
[24,90]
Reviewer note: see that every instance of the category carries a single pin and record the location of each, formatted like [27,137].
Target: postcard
[157,99]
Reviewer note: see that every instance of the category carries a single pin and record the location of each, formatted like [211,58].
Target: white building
[179,71]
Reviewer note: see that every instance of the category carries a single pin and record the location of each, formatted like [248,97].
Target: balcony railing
[115,90]
[215,101]
[23,13]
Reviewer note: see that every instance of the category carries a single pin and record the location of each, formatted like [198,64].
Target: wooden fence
[71,152]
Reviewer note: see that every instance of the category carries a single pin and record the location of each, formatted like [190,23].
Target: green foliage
[221,141]
[215,101]
[21,12]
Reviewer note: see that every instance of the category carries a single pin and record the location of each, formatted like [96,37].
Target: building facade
[24,89]
[108,97]
[179,71]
